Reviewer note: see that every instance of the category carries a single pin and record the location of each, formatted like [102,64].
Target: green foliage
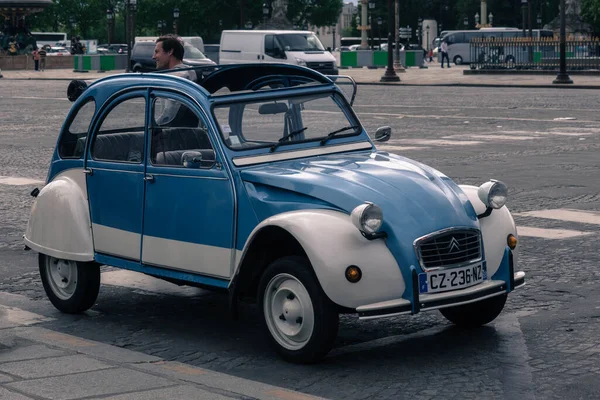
[207,18]
[590,11]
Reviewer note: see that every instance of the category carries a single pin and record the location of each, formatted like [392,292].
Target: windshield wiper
[285,137]
[332,134]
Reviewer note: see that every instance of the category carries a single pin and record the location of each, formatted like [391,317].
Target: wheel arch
[331,243]
[268,244]
[60,224]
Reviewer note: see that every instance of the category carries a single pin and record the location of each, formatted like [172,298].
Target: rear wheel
[458,60]
[71,286]
[475,314]
[301,320]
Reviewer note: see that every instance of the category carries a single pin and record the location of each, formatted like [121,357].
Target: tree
[322,12]
[590,11]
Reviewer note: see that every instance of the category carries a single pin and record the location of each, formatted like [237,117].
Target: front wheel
[71,286]
[300,318]
[475,314]
[458,60]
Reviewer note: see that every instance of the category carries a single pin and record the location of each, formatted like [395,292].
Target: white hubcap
[288,311]
[62,276]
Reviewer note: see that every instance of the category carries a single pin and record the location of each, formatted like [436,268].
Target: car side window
[121,134]
[178,136]
[72,141]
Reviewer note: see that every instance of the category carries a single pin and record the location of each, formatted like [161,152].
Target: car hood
[312,56]
[415,199]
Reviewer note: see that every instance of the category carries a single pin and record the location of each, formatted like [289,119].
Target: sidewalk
[37,363]
[431,76]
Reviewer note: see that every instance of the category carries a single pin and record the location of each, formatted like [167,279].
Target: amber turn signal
[511,241]
[353,274]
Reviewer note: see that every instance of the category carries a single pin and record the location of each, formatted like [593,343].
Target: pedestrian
[36,59]
[444,51]
[42,53]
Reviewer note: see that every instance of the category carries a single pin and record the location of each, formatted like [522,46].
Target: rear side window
[121,135]
[72,141]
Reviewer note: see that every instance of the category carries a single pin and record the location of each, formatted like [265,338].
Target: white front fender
[59,224]
[332,244]
[494,230]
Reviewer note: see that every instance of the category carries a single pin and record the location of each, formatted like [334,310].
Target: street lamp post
[265,10]
[390,74]
[476,19]
[371,30]
[562,77]
[466,22]
[539,21]
[333,32]
[159,26]
[379,22]
[491,18]
[523,10]
[176,20]
[397,64]
[420,32]
[131,39]
[109,20]
[427,45]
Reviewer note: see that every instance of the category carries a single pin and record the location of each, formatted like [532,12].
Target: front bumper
[435,301]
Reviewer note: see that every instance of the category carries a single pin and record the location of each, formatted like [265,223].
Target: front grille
[449,248]
[320,66]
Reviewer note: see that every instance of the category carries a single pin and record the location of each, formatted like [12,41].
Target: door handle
[88,171]
[149,178]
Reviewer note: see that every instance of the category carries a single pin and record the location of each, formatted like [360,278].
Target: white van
[290,47]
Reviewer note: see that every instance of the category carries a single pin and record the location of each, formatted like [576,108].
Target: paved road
[543,143]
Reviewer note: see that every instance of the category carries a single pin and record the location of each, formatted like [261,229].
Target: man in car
[168,54]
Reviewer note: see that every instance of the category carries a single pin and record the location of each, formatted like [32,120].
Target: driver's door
[189,198]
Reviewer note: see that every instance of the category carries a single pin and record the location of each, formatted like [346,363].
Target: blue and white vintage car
[261,181]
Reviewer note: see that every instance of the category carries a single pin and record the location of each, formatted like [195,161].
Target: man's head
[168,52]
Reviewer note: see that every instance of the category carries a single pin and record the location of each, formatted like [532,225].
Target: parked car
[112,48]
[142,52]
[212,51]
[57,51]
[271,190]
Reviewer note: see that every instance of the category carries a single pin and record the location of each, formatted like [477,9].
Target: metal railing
[533,54]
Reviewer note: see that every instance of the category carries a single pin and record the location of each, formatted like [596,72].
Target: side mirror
[383,134]
[191,159]
[198,158]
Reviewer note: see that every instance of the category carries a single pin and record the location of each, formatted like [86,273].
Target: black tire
[325,312]
[86,285]
[475,314]
[458,60]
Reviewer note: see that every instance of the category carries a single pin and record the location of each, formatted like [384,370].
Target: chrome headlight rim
[362,214]
[493,193]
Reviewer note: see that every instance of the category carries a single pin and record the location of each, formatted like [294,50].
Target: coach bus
[459,50]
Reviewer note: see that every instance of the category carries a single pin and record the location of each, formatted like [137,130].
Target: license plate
[452,279]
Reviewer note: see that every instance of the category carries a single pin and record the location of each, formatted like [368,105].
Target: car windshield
[286,120]
[300,42]
[192,53]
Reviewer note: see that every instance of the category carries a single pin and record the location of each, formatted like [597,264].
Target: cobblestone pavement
[543,143]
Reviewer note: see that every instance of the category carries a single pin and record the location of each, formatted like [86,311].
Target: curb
[178,373]
[490,85]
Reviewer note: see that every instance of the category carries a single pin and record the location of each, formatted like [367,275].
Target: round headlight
[367,218]
[493,194]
